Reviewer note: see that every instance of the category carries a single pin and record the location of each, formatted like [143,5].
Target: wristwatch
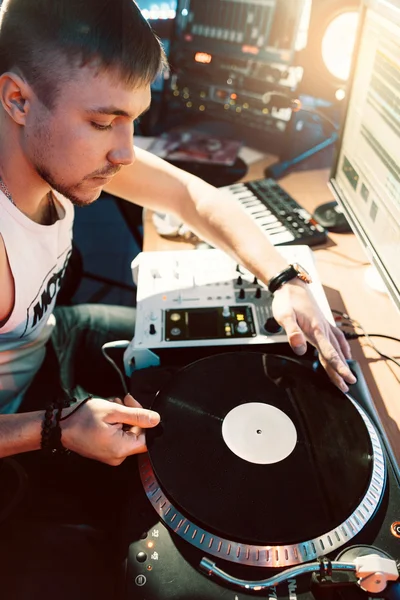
[292,271]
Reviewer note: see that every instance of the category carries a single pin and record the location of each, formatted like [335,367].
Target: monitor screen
[366,177]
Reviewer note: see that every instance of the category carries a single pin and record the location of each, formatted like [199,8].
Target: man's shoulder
[6,284]
[3,254]
[4,266]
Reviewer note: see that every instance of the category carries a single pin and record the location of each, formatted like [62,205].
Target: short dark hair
[38,36]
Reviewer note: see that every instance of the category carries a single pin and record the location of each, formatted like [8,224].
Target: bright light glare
[340,94]
[302,36]
[338,44]
[163,11]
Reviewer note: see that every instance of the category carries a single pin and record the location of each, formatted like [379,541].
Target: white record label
[259,433]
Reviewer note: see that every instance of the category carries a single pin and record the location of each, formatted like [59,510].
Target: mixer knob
[272,326]
[258,293]
[226,312]
[239,280]
[255,282]
[152,329]
[242,327]
[242,294]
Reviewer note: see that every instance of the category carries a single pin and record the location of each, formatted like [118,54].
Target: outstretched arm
[102,430]
[20,433]
[153,183]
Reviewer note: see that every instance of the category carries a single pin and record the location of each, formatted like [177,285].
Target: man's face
[87,137]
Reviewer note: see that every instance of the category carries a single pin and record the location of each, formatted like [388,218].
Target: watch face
[302,273]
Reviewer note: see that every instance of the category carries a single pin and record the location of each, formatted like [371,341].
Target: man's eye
[100,127]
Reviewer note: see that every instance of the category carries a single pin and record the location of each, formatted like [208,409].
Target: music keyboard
[277,214]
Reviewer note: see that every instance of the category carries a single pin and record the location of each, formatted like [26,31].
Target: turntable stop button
[140,580]
[141,557]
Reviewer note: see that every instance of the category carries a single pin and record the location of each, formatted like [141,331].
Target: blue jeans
[74,363]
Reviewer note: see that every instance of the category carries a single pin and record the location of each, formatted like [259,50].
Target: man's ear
[15,96]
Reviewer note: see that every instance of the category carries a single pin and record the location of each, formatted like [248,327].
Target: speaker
[326,59]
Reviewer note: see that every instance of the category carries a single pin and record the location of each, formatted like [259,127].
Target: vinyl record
[260,449]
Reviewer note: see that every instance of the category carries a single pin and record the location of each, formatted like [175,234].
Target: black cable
[354,336]
[354,323]
[76,408]
[351,335]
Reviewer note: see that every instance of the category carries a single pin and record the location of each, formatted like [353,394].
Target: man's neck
[27,189]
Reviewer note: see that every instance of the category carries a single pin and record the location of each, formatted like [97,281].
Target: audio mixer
[204,298]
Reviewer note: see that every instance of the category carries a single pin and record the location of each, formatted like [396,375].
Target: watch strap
[281,278]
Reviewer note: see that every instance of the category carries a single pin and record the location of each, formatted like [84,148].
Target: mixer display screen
[203,323]
[209,323]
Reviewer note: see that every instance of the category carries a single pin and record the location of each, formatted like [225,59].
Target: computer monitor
[366,176]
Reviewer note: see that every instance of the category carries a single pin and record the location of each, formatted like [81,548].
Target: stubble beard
[65,190]
[43,147]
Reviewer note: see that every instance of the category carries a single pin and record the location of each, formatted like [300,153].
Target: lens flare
[338,44]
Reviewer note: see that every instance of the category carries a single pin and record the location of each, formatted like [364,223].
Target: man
[74,76]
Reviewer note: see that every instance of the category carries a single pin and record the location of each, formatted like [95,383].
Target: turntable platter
[259,449]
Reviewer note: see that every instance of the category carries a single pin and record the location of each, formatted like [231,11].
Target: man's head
[74,74]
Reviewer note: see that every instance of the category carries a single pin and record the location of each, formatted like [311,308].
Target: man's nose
[124,153]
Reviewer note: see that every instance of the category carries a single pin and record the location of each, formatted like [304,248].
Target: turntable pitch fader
[203,298]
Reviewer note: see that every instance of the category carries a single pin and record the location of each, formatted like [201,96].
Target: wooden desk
[341,265]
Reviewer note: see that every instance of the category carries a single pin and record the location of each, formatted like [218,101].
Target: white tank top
[38,256]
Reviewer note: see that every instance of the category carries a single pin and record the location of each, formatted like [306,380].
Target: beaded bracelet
[51,430]
[46,426]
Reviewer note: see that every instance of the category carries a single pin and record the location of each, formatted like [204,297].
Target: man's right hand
[108,431]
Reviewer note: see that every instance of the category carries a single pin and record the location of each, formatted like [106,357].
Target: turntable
[263,480]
